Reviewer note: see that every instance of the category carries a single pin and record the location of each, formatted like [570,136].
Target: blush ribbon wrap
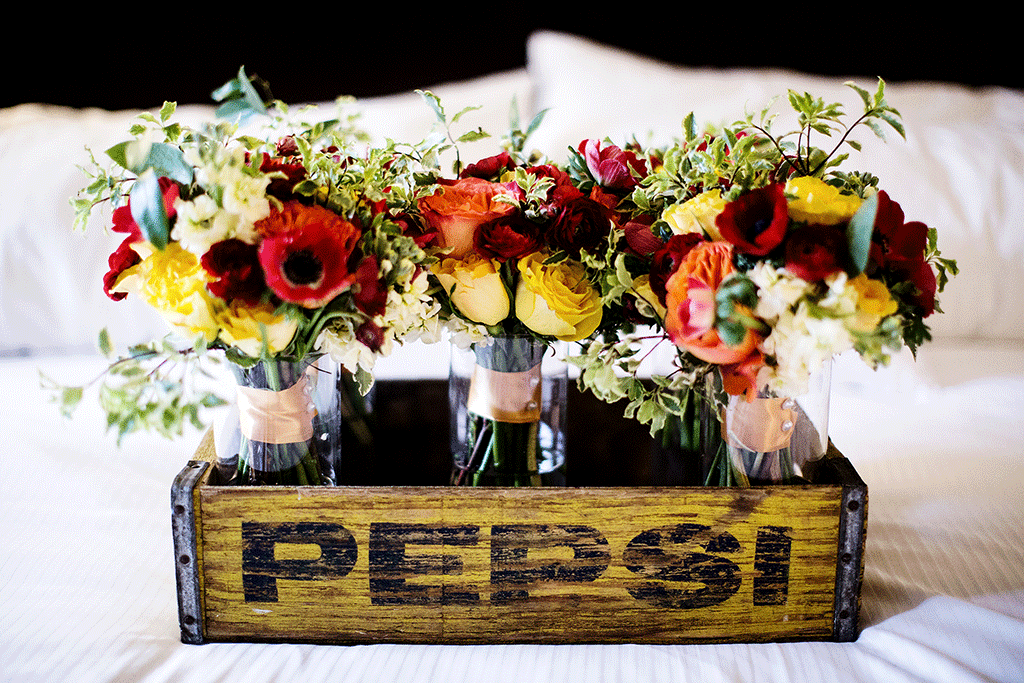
[277,417]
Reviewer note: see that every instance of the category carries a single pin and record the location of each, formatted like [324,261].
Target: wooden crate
[583,564]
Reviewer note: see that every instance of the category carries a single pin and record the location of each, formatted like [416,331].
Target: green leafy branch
[610,369]
[149,389]
[814,115]
[434,102]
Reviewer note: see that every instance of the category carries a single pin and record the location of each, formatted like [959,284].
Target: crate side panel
[515,565]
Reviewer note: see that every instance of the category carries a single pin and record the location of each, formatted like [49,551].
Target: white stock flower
[801,344]
[778,291]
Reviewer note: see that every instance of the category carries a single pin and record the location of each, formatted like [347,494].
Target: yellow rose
[475,288]
[172,281]
[244,327]
[873,303]
[819,203]
[558,299]
[696,215]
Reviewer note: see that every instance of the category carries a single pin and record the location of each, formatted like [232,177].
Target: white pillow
[51,279]
[961,168]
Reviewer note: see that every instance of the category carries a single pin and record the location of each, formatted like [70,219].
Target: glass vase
[507,401]
[767,440]
[286,425]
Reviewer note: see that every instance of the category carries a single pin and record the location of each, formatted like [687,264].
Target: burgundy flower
[235,265]
[305,253]
[370,335]
[282,187]
[507,237]
[612,168]
[755,222]
[639,237]
[813,252]
[124,257]
[287,146]
[899,248]
[490,168]
[369,293]
[666,260]
[579,224]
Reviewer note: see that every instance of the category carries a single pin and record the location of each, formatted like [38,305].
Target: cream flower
[696,215]
[475,288]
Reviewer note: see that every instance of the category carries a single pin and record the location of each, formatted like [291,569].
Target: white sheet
[87,587]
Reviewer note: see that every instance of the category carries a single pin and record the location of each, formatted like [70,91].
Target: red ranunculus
[579,224]
[612,168]
[124,256]
[490,168]
[813,252]
[235,267]
[508,237]
[755,222]
[305,253]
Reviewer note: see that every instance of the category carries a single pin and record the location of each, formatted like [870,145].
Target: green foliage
[153,387]
[450,142]
[242,97]
[859,231]
[148,209]
[610,369]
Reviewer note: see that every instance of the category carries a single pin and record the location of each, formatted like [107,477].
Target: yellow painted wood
[458,565]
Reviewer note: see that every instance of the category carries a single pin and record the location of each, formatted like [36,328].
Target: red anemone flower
[755,222]
[305,253]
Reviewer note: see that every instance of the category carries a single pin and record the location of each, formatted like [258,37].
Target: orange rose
[690,300]
[458,209]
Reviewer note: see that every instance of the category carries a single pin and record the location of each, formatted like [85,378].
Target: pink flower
[612,167]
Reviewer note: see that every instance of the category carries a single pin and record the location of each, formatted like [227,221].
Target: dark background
[123,61]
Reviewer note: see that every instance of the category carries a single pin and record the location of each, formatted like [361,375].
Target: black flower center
[302,268]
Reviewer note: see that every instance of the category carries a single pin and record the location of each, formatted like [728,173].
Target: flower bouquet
[276,248]
[759,260]
[511,236]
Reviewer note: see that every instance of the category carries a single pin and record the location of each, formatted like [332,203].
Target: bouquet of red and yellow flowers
[276,247]
[760,262]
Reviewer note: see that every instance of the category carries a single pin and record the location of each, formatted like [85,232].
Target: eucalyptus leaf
[859,231]
[147,205]
[165,160]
